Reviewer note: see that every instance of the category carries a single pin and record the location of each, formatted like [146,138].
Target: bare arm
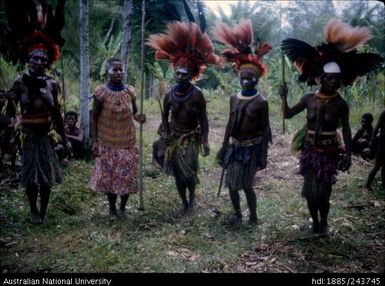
[380,122]
[286,110]
[166,111]
[265,117]
[226,138]
[203,120]
[347,135]
[78,138]
[141,118]
[358,135]
[96,109]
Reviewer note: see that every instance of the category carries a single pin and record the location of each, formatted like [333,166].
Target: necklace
[179,96]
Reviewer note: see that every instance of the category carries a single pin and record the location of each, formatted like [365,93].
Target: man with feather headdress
[244,149]
[330,64]
[185,116]
[34,38]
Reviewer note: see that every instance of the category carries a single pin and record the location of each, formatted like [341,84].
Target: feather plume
[345,36]
[240,37]
[239,41]
[184,44]
[30,25]
[341,42]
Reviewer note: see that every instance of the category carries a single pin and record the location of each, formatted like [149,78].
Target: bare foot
[324,230]
[368,189]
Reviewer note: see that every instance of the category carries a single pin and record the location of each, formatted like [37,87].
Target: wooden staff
[62,82]
[283,82]
[141,202]
[221,181]
[283,65]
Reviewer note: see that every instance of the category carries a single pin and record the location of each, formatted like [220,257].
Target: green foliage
[8,73]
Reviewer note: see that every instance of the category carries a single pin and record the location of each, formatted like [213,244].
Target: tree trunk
[202,18]
[126,37]
[84,72]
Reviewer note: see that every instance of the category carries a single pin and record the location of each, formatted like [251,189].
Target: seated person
[361,139]
[74,134]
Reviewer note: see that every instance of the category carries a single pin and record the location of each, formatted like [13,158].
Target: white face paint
[182,74]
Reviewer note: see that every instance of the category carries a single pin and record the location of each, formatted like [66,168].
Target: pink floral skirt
[116,171]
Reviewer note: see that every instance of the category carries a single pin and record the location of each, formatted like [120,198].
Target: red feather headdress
[239,41]
[32,27]
[340,44]
[185,45]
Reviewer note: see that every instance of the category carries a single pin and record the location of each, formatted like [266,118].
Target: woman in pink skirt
[114,139]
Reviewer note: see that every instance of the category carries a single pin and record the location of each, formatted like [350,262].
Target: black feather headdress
[31,27]
[340,46]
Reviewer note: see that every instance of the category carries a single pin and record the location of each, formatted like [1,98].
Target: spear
[283,82]
[141,202]
[283,65]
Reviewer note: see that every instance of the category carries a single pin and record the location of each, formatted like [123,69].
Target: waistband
[38,118]
[246,143]
[325,133]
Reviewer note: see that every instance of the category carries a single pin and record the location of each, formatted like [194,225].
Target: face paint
[182,74]
[248,79]
[38,61]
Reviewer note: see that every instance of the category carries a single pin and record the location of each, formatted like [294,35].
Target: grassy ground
[80,238]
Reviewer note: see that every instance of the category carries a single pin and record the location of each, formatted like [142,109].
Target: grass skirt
[242,163]
[40,162]
[181,159]
[319,170]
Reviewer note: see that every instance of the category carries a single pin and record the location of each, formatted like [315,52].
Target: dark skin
[362,137]
[379,159]
[187,115]
[256,118]
[73,134]
[115,75]
[255,121]
[38,63]
[115,78]
[336,111]
[71,131]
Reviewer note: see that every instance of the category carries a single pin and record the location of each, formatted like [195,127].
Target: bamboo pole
[141,201]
